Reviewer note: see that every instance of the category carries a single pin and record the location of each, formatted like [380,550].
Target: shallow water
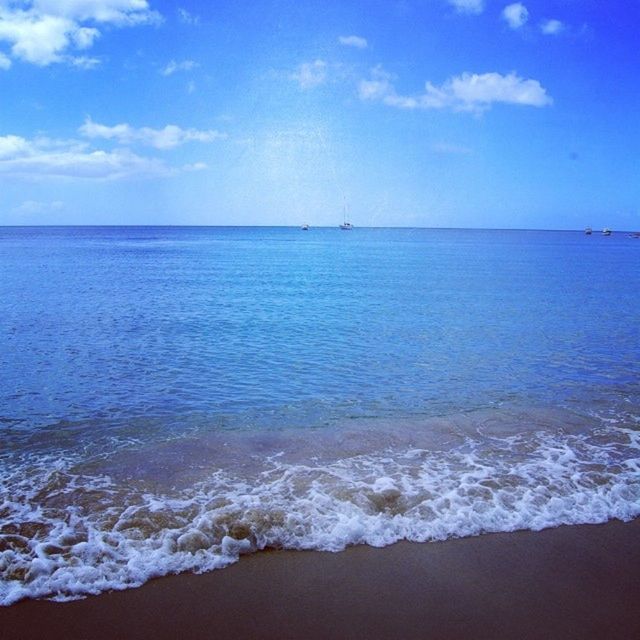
[173,397]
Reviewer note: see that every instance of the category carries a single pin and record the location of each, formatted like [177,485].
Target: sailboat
[345,226]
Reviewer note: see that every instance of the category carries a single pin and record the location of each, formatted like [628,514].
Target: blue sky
[437,113]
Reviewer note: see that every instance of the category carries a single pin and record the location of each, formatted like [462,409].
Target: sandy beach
[570,582]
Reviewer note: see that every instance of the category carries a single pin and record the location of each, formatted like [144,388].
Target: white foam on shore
[66,535]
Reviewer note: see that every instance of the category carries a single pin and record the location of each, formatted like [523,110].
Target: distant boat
[588,231]
[635,234]
[305,227]
[606,232]
[345,226]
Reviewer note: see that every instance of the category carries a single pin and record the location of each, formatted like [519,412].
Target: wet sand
[571,582]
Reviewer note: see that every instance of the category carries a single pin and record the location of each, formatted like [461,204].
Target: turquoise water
[227,389]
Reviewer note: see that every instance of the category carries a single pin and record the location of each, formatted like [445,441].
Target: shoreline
[578,581]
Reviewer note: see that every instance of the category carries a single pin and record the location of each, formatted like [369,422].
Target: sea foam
[67,533]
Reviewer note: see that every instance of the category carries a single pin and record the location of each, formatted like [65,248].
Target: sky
[430,113]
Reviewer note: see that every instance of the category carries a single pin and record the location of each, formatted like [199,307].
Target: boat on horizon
[588,231]
[305,227]
[606,232]
[345,226]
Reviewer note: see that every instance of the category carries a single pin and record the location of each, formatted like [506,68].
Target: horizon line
[289,226]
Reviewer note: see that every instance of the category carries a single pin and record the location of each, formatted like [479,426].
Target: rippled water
[173,397]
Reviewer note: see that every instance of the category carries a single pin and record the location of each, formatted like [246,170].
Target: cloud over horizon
[168,137]
[467,92]
[43,157]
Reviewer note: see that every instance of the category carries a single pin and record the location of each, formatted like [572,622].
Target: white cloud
[117,12]
[378,87]
[468,6]
[187,18]
[83,62]
[310,74]
[11,146]
[467,92]
[5,62]
[169,137]
[84,36]
[353,41]
[173,66]
[43,31]
[43,157]
[516,15]
[551,27]
[39,39]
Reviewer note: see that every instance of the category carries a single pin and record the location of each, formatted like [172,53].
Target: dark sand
[571,582]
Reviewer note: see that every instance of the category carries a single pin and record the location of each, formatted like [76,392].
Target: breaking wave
[70,529]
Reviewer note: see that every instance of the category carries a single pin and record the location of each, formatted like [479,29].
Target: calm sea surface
[171,398]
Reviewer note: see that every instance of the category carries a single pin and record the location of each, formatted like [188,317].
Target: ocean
[172,398]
